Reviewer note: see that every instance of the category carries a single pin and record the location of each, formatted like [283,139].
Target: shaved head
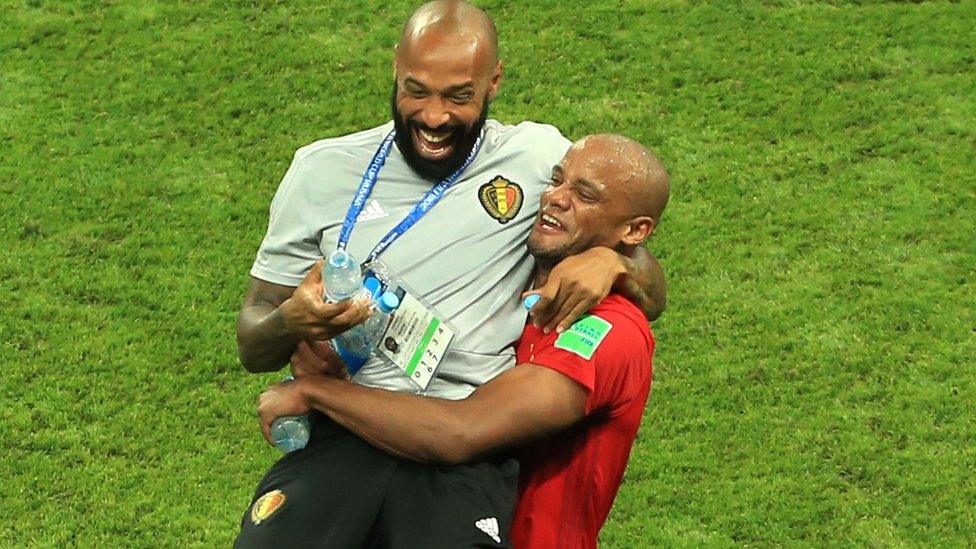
[631,169]
[608,190]
[460,20]
[446,74]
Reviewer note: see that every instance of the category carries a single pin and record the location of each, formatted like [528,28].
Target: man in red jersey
[576,399]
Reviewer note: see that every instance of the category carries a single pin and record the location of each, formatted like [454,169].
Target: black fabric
[341,492]
[439,506]
[334,489]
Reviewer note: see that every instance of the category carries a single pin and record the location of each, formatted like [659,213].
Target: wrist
[622,266]
[610,257]
[313,389]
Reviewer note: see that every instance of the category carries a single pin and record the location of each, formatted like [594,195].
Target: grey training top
[461,256]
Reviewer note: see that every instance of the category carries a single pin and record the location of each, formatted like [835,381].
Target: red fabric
[569,480]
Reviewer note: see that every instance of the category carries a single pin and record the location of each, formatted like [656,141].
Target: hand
[575,284]
[282,399]
[317,358]
[308,316]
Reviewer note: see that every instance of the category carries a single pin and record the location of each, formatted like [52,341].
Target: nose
[434,115]
[558,197]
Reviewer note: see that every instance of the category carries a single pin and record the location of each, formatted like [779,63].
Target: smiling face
[597,196]
[445,78]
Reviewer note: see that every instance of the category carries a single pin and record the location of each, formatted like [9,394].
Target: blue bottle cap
[389,302]
[530,300]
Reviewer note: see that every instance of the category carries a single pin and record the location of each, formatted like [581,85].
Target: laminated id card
[417,338]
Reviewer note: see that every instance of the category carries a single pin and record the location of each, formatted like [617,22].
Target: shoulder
[341,148]
[608,351]
[617,327]
[630,323]
[524,153]
[619,308]
[527,136]
[527,128]
[622,355]
[333,156]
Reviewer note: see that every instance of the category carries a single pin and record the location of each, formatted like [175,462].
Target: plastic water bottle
[341,277]
[291,433]
[376,324]
[354,346]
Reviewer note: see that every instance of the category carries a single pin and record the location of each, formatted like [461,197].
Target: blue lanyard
[366,184]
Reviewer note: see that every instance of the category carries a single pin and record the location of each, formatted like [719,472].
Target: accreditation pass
[416,341]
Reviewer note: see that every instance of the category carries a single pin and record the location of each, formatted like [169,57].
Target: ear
[496,80]
[638,230]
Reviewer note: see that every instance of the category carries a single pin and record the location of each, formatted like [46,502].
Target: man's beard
[435,170]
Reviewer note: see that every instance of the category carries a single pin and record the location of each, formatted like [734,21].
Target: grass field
[814,376]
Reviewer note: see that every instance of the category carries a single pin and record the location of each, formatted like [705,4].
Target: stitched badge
[501,198]
[584,336]
[267,505]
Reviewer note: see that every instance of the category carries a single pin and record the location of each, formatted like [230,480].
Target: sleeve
[291,245]
[596,353]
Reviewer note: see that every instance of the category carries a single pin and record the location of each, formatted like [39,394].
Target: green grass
[814,379]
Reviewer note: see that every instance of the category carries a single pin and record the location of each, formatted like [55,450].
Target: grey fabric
[467,264]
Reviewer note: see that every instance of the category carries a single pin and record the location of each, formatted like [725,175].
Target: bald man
[443,199]
[585,388]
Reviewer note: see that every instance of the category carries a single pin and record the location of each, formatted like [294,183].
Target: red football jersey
[569,480]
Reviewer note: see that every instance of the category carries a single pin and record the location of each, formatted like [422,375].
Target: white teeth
[433,138]
[550,220]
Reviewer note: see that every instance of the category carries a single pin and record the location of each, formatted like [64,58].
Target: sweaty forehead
[598,161]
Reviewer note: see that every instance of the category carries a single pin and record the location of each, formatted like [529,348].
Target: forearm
[643,283]
[263,343]
[424,429]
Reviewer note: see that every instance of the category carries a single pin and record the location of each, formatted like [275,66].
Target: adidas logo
[372,210]
[489,526]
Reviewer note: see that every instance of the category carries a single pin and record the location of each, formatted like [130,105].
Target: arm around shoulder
[644,282]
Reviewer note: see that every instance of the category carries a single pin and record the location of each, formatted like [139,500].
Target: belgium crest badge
[266,506]
[501,198]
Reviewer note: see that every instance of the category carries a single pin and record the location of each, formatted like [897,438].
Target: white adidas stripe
[489,526]
[371,211]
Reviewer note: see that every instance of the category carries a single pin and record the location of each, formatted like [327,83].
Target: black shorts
[342,492]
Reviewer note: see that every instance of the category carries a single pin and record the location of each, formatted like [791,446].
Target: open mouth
[434,144]
[549,223]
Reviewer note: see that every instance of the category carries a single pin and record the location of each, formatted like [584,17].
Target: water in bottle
[341,277]
[353,348]
[356,345]
[376,324]
[291,433]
